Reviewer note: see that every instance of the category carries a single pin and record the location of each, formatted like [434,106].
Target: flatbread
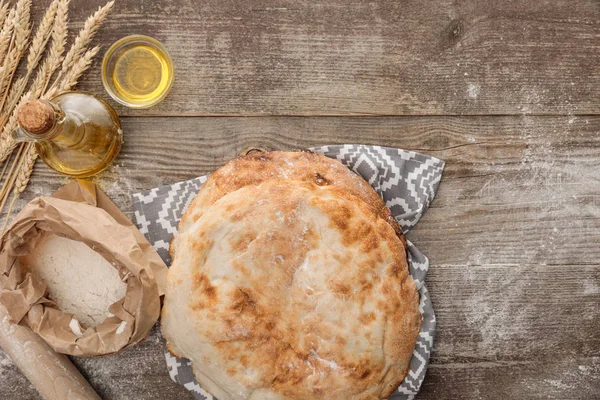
[291,290]
[305,166]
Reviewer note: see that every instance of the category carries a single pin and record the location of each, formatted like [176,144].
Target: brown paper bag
[82,212]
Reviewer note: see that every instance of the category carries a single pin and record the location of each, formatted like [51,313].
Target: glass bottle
[75,133]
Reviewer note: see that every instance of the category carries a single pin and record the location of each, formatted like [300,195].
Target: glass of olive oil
[137,71]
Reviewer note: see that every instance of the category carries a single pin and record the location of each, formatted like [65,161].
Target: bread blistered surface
[292,290]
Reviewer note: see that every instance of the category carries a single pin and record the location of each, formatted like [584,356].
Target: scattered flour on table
[497,322]
[117,183]
[557,384]
[590,287]
[78,279]
[5,362]
[473,90]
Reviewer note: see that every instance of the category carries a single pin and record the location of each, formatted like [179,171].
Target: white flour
[79,280]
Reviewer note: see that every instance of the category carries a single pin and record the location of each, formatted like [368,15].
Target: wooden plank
[516,190]
[326,57]
[515,312]
[571,377]
[515,332]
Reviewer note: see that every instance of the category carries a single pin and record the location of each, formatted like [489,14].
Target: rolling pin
[52,374]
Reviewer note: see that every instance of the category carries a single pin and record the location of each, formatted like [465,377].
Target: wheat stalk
[83,39]
[10,178]
[21,178]
[8,143]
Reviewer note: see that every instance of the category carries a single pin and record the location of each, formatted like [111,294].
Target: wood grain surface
[506,92]
[299,57]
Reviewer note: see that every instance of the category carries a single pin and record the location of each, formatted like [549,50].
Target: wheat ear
[16,90]
[36,50]
[29,157]
[41,37]
[57,47]
[72,76]
[6,34]
[83,39]
[21,32]
[22,24]
[3,12]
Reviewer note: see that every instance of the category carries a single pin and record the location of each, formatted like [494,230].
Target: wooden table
[506,92]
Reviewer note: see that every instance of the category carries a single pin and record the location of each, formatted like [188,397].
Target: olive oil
[141,75]
[137,71]
[76,134]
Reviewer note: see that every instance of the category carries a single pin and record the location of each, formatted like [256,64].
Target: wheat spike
[26,168]
[16,90]
[36,49]
[7,145]
[22,24]
[6,34]
[41,37]
[59,41]
[83,39]
[21,32]
[73,75]
[3,12]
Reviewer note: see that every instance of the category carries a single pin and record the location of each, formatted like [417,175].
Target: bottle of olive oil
[76,134]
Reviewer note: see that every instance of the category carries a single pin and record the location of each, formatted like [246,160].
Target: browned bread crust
[304,166]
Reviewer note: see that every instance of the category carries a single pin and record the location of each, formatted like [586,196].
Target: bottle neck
[64,130]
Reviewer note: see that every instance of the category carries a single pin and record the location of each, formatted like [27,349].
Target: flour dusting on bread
[290,289]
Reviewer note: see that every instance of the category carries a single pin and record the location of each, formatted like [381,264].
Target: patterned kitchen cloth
[406,180]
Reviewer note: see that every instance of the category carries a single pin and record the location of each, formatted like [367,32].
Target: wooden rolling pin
[52,374]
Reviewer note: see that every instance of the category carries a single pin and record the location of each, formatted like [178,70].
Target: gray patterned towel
[406,180]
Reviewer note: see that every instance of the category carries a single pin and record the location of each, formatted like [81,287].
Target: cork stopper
[36,116]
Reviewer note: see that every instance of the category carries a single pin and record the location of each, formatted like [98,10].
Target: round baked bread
[291,290]
[256,168]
